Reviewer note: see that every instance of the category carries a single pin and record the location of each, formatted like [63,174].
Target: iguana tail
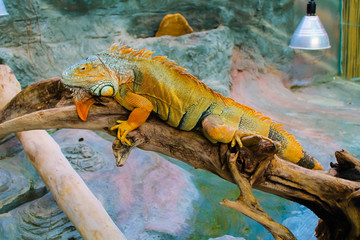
[291,149]
[309,162]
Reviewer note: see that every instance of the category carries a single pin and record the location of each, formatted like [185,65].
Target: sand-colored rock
[174,25]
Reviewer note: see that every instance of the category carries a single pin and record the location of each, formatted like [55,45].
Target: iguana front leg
[215,130]
[141,109]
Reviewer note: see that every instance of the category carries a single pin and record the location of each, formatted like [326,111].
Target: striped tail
[291,149]
[309,162]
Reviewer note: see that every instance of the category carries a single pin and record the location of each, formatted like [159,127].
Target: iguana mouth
[83,100]
[76,90]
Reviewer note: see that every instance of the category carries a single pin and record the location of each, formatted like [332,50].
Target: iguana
[144,84]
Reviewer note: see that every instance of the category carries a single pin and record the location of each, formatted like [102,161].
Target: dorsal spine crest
[147,54]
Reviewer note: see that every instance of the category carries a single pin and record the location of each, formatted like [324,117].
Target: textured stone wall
[40,38]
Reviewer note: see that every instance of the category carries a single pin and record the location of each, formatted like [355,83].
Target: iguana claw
[123,129]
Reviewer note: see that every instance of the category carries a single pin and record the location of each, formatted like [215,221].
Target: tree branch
[247,204]
[334,200]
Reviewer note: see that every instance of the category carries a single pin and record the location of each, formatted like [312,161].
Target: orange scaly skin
[145,84]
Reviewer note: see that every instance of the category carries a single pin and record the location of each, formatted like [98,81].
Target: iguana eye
[107,91]
[82,68]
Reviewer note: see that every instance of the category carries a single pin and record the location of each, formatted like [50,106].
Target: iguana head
[89,77]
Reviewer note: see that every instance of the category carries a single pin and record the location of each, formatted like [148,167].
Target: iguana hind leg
[217,131]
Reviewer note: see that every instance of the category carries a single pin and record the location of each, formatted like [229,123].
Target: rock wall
[40,38]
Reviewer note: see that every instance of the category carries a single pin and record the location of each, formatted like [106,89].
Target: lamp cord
[311,8]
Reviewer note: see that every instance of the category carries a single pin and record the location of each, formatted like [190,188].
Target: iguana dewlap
[144,84]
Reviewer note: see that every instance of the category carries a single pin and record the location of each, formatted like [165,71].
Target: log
[70,192]
[333,199]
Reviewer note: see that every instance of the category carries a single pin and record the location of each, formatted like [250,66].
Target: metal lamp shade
[310,35]
[3,11]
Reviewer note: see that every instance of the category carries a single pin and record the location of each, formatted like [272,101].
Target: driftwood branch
[70,192]
[333,199]
[247,204]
